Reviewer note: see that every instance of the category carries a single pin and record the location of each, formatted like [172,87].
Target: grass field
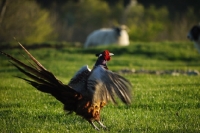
[161,103]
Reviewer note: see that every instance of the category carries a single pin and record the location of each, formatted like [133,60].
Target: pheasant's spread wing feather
[104,85]
[79,81]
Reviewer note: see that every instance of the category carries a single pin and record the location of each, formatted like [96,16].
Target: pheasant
[87,92]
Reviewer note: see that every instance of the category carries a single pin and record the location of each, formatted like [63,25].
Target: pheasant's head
[105,55]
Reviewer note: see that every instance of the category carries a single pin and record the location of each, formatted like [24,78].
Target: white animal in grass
[194,35]
[107,36]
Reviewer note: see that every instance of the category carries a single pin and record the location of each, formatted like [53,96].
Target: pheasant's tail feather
[37,73]
[45,81]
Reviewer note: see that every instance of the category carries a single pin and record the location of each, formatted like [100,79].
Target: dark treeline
[174,6]
[36,21]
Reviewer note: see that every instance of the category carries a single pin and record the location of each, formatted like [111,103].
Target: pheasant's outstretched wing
[79,81]
[104,85]
[45,81]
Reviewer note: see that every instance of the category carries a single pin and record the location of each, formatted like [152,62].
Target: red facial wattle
[106,55]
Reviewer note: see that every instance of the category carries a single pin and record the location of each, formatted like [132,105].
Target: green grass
[161,103]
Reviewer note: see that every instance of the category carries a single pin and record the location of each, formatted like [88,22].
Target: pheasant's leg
[92,123]
[101,124]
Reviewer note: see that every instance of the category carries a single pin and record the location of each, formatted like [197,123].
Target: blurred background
[39,21]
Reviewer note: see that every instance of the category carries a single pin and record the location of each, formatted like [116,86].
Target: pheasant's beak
[111,54]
